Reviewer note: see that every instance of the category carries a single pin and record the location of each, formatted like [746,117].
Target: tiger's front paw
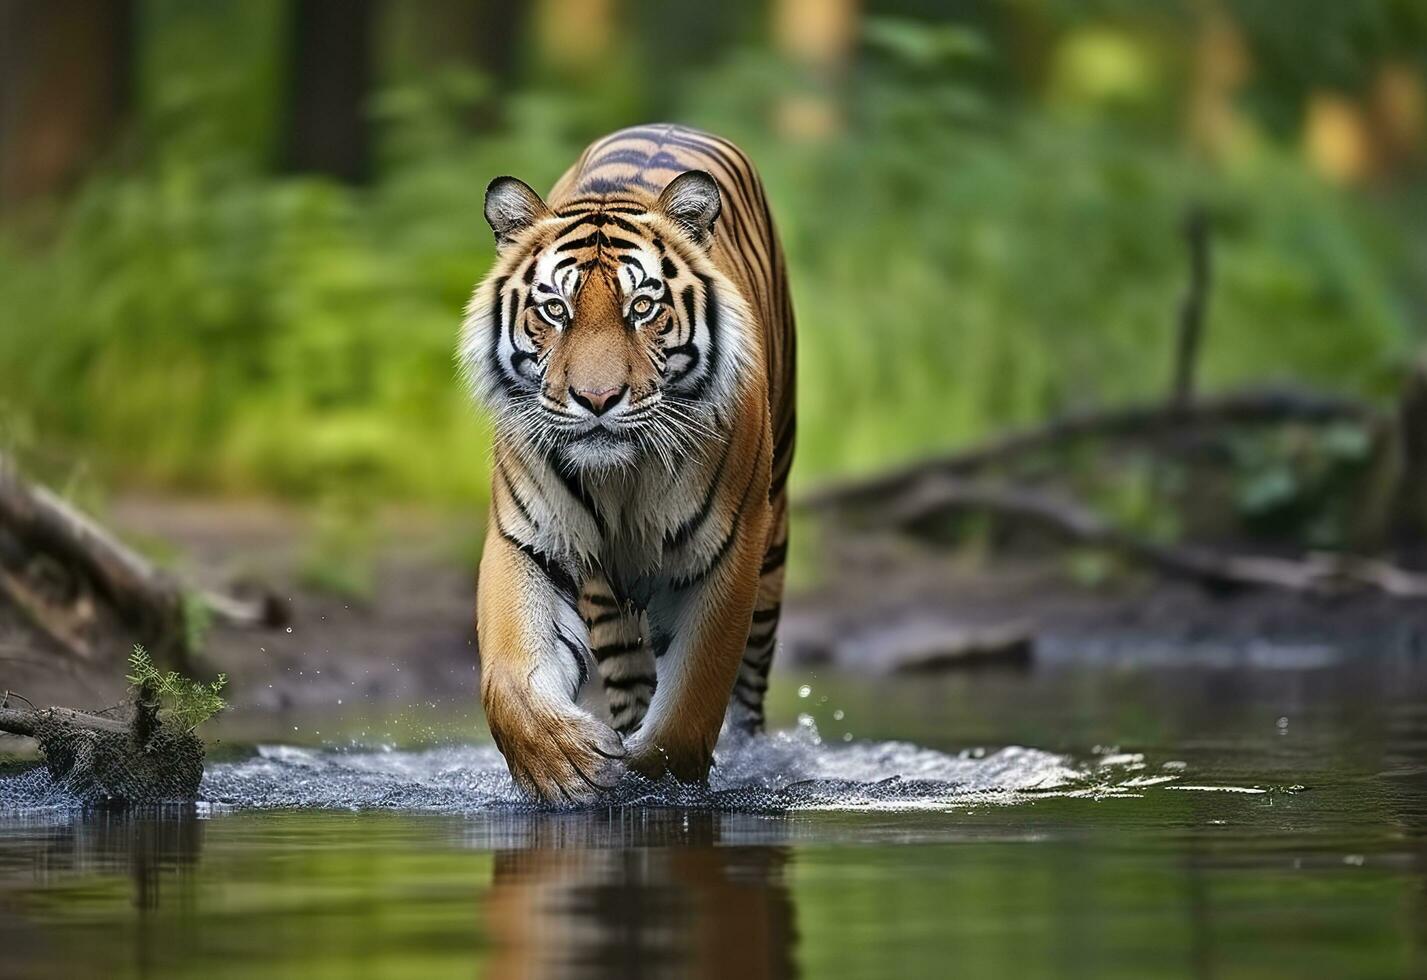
[558,754]
[685,756]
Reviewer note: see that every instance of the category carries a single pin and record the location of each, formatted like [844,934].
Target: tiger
[633,344]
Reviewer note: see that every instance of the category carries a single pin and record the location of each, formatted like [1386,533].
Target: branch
[1190,329]
[141,593]
[27,721]
[1135,422]
[1317,575]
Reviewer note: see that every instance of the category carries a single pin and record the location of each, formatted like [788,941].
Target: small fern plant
[183,703]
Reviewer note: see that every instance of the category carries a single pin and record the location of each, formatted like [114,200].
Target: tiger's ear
[511,207]
[692,200]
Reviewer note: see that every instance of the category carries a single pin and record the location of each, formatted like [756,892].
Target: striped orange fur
[635,343]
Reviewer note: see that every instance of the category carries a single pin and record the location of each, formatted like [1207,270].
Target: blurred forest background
[237,235]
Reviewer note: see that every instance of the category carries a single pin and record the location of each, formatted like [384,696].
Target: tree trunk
[58,566]
[330,76]
[818,37]
[486,36]
[1410,525]
[65,85]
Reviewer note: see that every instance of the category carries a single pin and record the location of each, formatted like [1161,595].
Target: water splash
[780,772]
[785,771]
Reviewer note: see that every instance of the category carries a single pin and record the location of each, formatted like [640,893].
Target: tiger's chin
[600,451]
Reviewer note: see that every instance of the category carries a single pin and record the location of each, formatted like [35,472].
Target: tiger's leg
[617,641]
[745,708]
[699,627]
[533,663]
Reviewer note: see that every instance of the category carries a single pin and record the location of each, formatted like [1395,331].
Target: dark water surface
[1214,817]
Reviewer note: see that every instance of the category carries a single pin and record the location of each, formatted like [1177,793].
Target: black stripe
[599,219]
[712,320]
[519,504]
[768,615]
[602,618]
[686,530]
[576,487]
[759,658]
[563,581]
[603,601]
[627,683]
[576,243]
[683,350]
[611,650]
[578,653]
[754,706]
[635,158]
[774,558]
[601,185]
[497,328]
[776,485]
[627,702]
[687,299]
[787,430]
[723,549]
[760,686]
[732,528]
[761,640]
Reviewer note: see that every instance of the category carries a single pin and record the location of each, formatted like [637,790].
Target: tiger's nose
[598,401]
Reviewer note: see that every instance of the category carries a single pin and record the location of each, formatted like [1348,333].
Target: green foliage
[197,620]
[1301,485]
[183,703]
[960,262]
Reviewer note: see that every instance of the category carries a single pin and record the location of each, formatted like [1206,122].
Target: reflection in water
[146,847]
[1236,844]
[575,897]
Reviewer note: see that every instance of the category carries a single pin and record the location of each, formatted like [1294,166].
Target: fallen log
[39,525]
[1006,645]
[1317,574]
[1146,422]
[97,759]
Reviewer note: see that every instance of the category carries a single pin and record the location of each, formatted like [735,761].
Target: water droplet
[289,629]
[804,691]
[1282,725]
[847,736]
[837,715]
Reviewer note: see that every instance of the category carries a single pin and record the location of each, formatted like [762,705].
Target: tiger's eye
[642,306]
[555,310]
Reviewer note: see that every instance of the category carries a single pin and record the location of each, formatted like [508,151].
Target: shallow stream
[1208,817]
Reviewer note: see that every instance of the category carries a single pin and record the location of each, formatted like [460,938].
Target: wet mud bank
[409,636]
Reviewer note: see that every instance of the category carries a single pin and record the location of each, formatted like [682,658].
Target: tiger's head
[604,334]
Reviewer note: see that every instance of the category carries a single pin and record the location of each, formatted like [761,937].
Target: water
[1249,818]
